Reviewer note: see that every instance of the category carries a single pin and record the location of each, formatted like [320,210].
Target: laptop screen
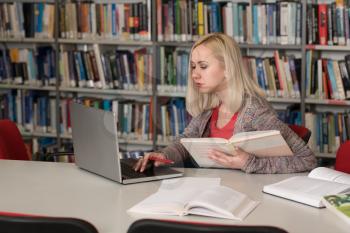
[96,149]
[95,141]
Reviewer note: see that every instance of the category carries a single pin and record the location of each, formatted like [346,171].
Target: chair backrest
[18,223]
[302,132]
[11,142]
[342,159]
[160,226]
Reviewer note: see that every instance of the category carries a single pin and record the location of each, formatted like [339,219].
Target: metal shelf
[327,102]
[325,155]
[27,87]
[171,94]
[241,45]
[30,1]
[270,46]
[328,48]
[106,91]
[103,41]
[187,44]
[121,140]
[283,100]
[38,134]
[27,40]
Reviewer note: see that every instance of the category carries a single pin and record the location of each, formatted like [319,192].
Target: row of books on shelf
[35,111]
[271,22]
[20,19]
[32,111]
[106,20]
[329,130]
[77,20]
[28,66]
[328,23]
[327,78]
[259,23]
[93,67]
[119,69]
[173,69]
[278,76]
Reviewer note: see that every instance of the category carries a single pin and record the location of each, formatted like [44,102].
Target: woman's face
[206,71]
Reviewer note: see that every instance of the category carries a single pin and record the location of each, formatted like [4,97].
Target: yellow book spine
[200,19]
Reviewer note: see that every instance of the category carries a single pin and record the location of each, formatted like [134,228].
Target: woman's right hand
[143,161]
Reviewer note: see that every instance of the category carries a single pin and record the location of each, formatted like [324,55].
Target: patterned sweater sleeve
[265,118]
[176,151]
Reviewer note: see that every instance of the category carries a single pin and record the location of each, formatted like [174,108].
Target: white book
[197,196]
[259,143]
[310,189]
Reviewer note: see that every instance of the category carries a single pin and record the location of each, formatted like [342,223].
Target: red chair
[342,159]
[11,143]
[302,132]
[160,226]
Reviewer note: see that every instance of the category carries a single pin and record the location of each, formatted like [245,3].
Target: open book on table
[259,143]
[339,204]
[198,196]
[310,189]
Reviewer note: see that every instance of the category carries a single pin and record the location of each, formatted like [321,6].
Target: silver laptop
[96,149]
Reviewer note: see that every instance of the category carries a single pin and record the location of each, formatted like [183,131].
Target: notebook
[96,148]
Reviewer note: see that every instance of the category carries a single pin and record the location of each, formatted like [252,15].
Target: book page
[242,136]
[258,143]
[305,189]
[173,195]
[262,143]
[199,149]
[221,202]
[325,173]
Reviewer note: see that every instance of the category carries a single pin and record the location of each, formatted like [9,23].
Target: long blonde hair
[226,50]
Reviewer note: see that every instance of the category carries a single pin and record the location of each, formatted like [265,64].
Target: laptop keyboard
[128,172]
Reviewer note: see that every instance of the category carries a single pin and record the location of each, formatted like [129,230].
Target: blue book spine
[114,21]
[147,119]
[260,73]
[184,64]
[235,21]
[255,24]
[332,79]
[107,105]
[319,132]
[215,16]
[40,10]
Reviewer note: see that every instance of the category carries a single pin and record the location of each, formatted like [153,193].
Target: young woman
[224,100]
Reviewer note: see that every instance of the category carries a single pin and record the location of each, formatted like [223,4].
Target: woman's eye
[203,67]
[193,67]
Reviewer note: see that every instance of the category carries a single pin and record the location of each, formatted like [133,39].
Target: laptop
[96,148]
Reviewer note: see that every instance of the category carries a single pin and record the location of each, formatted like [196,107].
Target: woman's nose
[195,75]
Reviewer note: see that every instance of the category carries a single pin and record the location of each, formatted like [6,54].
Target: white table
[59,189]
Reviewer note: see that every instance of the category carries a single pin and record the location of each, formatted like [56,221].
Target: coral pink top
[224,132]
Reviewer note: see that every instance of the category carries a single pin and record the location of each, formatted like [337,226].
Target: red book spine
[322,25]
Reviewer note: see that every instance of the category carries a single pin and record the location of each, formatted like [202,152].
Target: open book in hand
[338,204]
[259,143]
[310,189]
[198,196]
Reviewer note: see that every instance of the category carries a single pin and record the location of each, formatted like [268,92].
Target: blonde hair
[226,50]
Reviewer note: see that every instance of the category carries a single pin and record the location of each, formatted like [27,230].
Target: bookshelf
[162,37]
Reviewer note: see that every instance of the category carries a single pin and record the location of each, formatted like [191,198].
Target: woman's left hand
[236,160]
